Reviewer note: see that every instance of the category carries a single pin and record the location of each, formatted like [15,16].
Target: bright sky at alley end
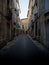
[23,8]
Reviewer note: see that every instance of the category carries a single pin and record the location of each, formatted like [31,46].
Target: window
[36,28]
[48,21]
[46,4]
[9,12]
[36,16]
[32,10]
[36,2]
[14,23]
[0,18]
[32,24]
[23,26]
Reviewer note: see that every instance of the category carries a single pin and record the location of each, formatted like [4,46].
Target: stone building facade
[24,25]
[9,18]
[43,25]
[46,21]
[15,16]
[32,17]
[39,19]
[5,21]
[29,16]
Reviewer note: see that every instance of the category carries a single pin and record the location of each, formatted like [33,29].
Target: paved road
[22,49]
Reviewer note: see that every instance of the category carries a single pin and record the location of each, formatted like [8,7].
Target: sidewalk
[39,45]
[10,43]
[2,45]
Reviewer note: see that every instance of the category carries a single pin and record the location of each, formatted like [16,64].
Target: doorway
[47,33]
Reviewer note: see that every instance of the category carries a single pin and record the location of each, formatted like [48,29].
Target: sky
[23,8]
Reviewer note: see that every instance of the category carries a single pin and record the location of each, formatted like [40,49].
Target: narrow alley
[23,49]
[24,30]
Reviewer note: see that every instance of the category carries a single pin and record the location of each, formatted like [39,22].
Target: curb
[38,44]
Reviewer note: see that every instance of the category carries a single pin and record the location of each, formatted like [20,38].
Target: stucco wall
[25,23]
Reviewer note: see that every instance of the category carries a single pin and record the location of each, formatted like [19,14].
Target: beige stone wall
[42,24]
[3,28]
[15,16]
[25,23]
[39,23]
[31,16]
[4,34]
[6,25]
